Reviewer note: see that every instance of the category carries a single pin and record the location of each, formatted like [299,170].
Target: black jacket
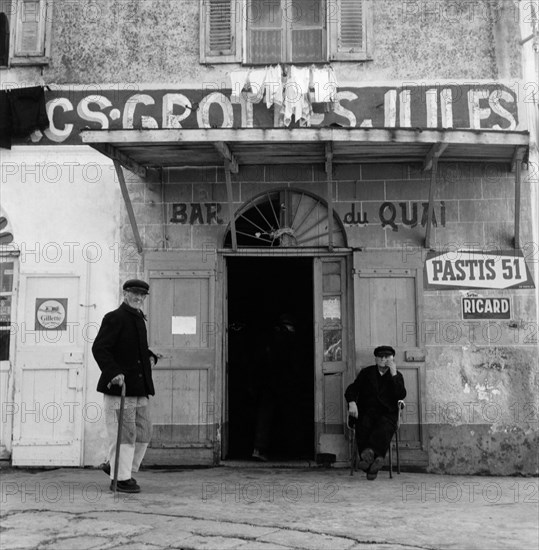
[121,347]
[376,394]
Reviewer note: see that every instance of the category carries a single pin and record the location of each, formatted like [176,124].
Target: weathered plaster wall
[63,206]
[158,41]
[481,405]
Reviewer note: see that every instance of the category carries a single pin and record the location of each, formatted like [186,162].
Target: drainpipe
[529,31]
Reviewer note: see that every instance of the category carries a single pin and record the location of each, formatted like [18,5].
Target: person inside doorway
[121,351]
[276,387]
[373,405]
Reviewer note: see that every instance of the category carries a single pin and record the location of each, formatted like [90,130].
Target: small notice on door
[184,325]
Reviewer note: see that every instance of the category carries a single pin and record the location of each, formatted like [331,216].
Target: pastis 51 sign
[476,269]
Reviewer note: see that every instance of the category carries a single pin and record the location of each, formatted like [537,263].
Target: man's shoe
[106,468]
[257,455]
[366,459]
[126,486]
[372,472]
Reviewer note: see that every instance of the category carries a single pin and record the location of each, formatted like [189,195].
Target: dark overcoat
[121,347]
[376,395]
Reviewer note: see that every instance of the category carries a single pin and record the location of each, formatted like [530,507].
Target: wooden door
[332,355]
[8,299]
[48,403]
[387,312]
[183,332]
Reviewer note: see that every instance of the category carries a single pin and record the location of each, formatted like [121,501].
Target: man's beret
[383,350]
[137,285]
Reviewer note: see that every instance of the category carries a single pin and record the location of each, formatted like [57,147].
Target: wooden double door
[208,320]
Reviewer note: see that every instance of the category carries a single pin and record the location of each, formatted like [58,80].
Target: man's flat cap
[137,285]
[383,350]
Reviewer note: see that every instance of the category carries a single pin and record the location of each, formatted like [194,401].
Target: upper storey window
[25,28]
[284,31]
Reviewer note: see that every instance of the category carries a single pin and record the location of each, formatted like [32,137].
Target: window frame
[287,29]
[240,34]
[19,57]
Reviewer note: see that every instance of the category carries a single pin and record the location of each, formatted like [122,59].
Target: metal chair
[354,455]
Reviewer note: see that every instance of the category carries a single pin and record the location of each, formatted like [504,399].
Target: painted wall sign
[51,314]
[196,213]
[486,308]
[389,214]
[475,269]
[456,105]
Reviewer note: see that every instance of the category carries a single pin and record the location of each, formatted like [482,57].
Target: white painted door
[48,403]
[182,331]
[333,367]
[387,312]
[8,294]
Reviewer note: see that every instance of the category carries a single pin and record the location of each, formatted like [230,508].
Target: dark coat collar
[132,310]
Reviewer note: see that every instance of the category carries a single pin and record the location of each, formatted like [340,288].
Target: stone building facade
[400,210]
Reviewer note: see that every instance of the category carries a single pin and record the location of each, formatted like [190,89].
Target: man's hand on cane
[118,380]
[352,409]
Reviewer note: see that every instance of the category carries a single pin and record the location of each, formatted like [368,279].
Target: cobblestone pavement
[266,508]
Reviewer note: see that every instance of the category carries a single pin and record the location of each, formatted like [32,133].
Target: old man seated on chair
[373,401]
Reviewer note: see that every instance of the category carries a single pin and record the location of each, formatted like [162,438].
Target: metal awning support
[228,179]
[431,162]
[329,179]
[231,165]
[128,205]
[516,166]
[113,153]
[227,155]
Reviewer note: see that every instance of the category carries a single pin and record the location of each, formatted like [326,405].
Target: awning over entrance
[143,150]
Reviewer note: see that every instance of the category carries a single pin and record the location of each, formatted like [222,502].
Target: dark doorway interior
[270,367]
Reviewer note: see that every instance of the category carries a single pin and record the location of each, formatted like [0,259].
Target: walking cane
[119,438]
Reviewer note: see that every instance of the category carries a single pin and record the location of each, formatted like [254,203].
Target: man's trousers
[136,433]
[375,432]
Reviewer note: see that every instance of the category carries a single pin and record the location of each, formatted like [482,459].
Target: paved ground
[267,508]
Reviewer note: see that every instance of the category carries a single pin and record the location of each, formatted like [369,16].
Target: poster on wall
[51,314]
[491,307]
[460,269]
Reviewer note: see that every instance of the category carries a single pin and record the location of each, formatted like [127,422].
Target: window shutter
[220,31]
[31,25]
[30,29]
[350,30]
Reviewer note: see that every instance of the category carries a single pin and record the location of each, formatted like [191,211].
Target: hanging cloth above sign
[294,95]
[23,111]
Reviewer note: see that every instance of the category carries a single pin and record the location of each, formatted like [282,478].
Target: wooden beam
[329,180]
[516,242]
[128,205]
[518,155]
[115,155]
[435,152]
[227,155]
[230,196]
[367,135]
[430,210]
